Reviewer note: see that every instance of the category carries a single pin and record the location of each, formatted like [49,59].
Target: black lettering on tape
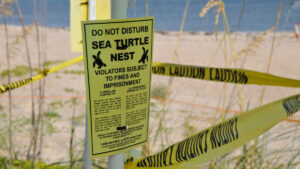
[165,154]
[161,159]
[227,132]
[235,76]
[213,138]
[191,148]
[149,160]
[221,134]
[227,75]
[195,146]
[291,105]
[144,163]
[159,70]
[182,152]
[224,133]
[170,158]
[157,160]
[200,142]
[179,151]
[186,153]
[205,140]
[220,140]
[236,128]
[193,72]
[14,85]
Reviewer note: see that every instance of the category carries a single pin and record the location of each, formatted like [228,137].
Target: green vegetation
[56,104]
[69,90]
[52,62]
[18,164]
[1,107]
[75,72]
[159,90]
[50,115]
[19,71]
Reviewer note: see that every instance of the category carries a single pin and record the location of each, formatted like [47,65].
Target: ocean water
[259,15]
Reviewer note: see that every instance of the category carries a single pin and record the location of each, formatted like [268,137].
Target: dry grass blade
[5,7]
[17,40]
[217,21]
[41,92]
[254,44]
[20,16]
[272,48]
[160,129]
[10,127]
[210,4]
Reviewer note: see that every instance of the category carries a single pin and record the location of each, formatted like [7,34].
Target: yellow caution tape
[240,76]
[218,139]
[14,85]
[221,138]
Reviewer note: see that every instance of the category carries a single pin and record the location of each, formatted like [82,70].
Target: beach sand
[193,103]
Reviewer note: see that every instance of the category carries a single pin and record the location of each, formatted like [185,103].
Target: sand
[195,48]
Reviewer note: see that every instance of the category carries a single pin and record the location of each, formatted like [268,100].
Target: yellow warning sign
[118,61]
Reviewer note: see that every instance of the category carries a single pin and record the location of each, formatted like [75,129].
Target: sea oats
[207,7]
